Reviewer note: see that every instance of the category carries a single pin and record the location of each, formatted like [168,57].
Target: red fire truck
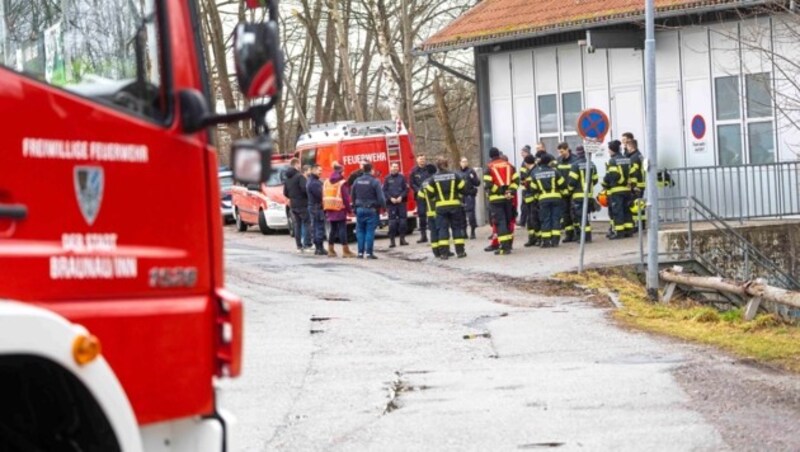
[380,143]
[114,319]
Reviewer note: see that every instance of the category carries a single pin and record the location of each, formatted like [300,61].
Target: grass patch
[766,338]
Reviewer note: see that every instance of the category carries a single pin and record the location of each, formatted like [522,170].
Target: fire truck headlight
[85,349]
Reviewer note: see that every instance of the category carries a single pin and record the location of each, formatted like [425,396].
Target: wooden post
[751,309]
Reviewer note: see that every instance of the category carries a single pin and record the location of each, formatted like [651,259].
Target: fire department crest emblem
[89,181]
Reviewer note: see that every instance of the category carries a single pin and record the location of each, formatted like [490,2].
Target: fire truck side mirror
[258,58]
[250,160]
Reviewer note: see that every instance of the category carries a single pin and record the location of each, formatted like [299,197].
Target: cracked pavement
[404,353]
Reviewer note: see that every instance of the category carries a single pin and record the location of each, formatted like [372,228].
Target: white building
[727,75]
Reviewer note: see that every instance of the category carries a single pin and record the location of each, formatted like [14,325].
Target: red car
[264,205]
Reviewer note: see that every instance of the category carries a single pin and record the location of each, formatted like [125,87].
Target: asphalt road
[405,353]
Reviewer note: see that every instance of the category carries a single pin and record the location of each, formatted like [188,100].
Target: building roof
[492,21]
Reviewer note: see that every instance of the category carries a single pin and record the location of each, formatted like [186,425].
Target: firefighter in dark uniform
[470,191]
[637,188]
[523,173]
[430,209]
[577,187]
[617,183]
[395,189]
[447,188]
[565,161]
[532,223]
[418,175]
[501,182]
[549,186]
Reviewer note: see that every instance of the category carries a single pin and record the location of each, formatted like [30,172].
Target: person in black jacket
[395,189]
[356,174]
[315,212]
[472,182]
[417,177]
[295,190]
[367,197]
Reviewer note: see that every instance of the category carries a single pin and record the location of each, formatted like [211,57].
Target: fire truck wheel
[262,223]
[241,226]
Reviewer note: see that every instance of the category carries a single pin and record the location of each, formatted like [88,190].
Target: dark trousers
[422,215]
[533,224]
[577,214]
[338,232]
[451,218]
[621,217]
[317,225]
[550,217]
[469,210]
[398,220]
[524,213]
[502,214]
[366,223]
[302,227]
[567,219]
[434,232]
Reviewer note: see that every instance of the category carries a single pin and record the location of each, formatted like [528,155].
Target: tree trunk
[388,69]
[444,122]
[408,63]
[354,106]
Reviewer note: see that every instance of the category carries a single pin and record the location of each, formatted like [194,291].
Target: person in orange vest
[336,204]
[501,182]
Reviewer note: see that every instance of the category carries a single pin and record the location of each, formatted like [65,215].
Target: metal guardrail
[736,192]
[728,253]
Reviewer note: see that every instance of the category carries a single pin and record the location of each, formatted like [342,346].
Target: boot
[435,252]
[588,237]
[423,237]
[391,243]
[505,249]
[547,242]
[403,241]
[331,250]
[555,241]
[531,242]
[490,249]
[472,234]
[346,253]
[460,251]
[444,253]
[569,236]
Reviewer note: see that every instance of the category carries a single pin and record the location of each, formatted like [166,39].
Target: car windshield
[277,177]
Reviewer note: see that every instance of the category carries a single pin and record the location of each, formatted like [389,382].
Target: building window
[727,98]
[759,96]
[761,143]
[571,103]
[730,144]
[749,126]
[548,114]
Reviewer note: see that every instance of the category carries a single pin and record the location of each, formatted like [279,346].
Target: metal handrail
[754,260]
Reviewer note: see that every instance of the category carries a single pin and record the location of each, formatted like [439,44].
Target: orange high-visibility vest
[332,196]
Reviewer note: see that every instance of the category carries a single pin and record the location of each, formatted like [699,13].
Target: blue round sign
[698,127]
[593,124]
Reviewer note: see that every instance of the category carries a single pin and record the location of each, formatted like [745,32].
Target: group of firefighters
[552,189]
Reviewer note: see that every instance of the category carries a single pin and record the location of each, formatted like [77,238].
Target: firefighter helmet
[602,198]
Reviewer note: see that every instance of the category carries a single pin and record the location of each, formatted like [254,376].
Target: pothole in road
[398,387]
[330,298]
[545,445]
[320,319]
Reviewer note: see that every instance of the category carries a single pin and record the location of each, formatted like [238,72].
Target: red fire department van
[114,317]
[380,143]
